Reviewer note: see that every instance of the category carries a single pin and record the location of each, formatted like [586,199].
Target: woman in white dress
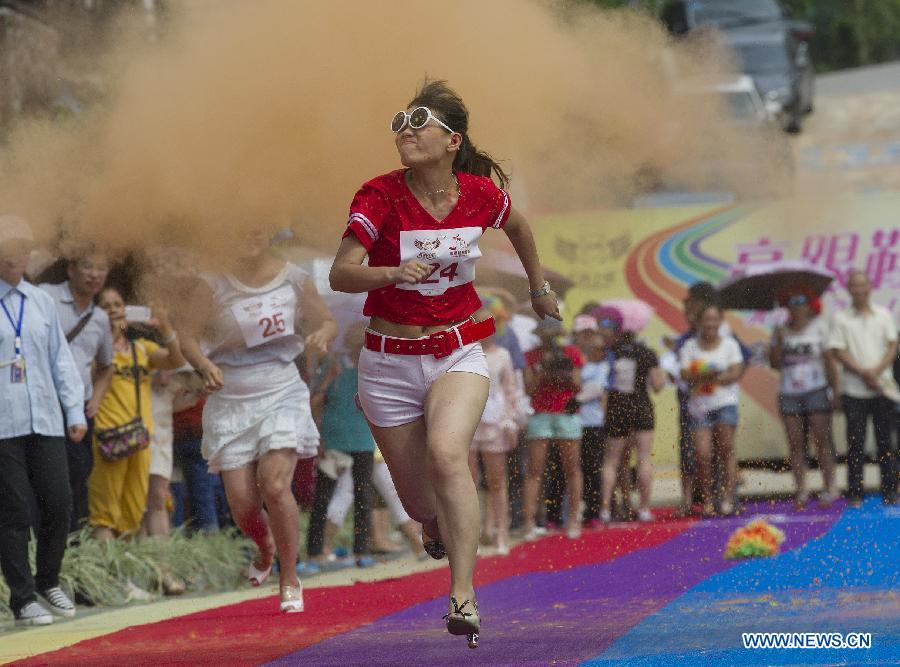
[254,319]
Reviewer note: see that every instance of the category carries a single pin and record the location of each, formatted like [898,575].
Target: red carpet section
[254,632]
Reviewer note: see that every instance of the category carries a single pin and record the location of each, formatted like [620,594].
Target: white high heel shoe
[291,599]
[258,577]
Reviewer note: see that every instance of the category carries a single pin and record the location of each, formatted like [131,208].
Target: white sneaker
[33,613]
[605,516]
[134,593]
[826,498]
[574,532]
[533,534]
[645,516]
[502,548]
[58,601]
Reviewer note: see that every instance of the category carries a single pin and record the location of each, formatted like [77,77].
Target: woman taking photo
[798,350]
[257,422]
[552,379]
[423,379]
[117,487]
[711,365]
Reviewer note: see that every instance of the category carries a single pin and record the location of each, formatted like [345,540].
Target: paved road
[852,141]
[860,81]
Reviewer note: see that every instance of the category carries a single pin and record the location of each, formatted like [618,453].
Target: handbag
[118,442]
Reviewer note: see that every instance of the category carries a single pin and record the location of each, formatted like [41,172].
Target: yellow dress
[117,491]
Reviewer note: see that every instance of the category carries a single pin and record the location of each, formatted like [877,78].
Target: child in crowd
[494,438]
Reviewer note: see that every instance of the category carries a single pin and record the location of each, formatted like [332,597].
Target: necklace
[448,188]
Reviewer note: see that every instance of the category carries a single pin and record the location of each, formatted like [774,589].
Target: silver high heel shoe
[462,622]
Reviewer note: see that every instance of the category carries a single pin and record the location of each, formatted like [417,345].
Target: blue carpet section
[844,582]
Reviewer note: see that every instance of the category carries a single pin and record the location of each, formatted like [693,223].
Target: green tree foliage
[849,33]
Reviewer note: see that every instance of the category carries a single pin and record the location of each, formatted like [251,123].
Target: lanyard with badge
[17,365]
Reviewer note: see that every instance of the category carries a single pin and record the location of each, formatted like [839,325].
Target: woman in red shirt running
[423,379]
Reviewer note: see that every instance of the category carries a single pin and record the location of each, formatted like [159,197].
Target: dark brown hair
[446,104]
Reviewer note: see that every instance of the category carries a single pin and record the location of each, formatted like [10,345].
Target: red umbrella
[756,287]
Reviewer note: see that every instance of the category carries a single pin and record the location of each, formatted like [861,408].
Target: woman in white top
[711,365]
[592,401]
[254,319]
[799,351]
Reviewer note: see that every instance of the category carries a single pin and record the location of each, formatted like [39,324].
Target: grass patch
[205,562]
[101,571]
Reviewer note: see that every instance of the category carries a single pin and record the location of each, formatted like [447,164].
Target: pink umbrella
[636,314]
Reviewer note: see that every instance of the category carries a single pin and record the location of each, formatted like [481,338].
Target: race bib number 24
[450,254]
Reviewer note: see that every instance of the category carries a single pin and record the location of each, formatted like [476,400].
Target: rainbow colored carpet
[658,594]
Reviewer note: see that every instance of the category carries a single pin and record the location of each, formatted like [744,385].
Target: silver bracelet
[543,290]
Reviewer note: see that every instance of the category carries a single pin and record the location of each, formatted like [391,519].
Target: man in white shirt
[864,341]
[87,331]
[40,390]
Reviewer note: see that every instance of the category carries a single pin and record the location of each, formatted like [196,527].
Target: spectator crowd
[101,431]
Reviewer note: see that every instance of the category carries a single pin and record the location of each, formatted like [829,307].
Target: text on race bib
[266,317]
[804,377]
[450,254]
[803,370]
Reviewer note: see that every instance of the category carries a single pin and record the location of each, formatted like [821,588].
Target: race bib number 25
[266,317]
[450,253]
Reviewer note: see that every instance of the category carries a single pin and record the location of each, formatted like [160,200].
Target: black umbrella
[756,287]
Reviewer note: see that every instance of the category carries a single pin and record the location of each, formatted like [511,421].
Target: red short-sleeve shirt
[390,222]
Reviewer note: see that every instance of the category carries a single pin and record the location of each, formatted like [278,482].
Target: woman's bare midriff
[398,330]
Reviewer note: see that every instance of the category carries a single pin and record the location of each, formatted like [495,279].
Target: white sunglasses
[416,120]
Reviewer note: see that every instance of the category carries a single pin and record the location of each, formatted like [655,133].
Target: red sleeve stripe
[498,223]
[365,223]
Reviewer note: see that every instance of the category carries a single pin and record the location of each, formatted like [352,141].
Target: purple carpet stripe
[560,618]
[697,251]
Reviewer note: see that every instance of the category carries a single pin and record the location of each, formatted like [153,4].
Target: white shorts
[494,438]
[161,437]
[161,463]
[259,408]
[392,387]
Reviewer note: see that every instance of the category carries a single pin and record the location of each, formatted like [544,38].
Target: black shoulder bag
[118,442]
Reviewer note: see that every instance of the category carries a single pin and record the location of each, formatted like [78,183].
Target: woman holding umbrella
[806,391]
